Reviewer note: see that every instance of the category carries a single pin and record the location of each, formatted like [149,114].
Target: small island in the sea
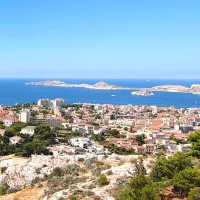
[143,93]
[97,86]
[194,89]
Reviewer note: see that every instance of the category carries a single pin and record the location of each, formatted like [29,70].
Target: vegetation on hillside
[178,170]
[36,144]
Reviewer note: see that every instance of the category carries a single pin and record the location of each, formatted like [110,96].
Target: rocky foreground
[80,179]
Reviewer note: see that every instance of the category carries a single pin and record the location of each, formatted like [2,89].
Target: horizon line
[94,78]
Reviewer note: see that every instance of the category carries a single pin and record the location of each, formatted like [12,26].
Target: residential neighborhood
[145,129]
[106,139]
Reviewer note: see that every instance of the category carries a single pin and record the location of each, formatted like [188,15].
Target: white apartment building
[47,102]
[58,101]
[24,116]
[44,102]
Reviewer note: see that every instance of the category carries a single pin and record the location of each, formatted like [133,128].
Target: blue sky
[100,38]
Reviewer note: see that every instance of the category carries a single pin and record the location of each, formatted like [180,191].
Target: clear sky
[100,38]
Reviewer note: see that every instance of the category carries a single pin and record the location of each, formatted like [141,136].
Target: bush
[40,185]
[105,156]
[37,170]
[109,172]
[3,169]
[3,188]
[73,197]
[81,160]
[103,180]
[57,172]
[72,169]
[194,194]
[95,197]
[99,164]
[139,188]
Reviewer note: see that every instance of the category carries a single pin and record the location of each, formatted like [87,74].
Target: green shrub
[139,188]
[194,194]
[103,180]
[73,197]
[3,188]
[3,169]
[57,171]
[81,160]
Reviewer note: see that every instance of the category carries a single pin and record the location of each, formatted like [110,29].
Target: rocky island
[194,89]
[97,86]
[142,93]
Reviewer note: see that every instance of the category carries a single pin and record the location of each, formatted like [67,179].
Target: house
[148,140]
[8,122]
[132,138]
[80,142]
[16,140]
[75,127]
[61,150]
[140,149]
[29,130]
[2,132]
[89,128]
[172,147]
[150,148]
[183,147]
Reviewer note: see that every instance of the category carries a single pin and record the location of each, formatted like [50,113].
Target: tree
[139,188]
[114,133]
[5,147]
[98,137]
[122,151]
[34,113]
[126,129]
[166,168]
[194,194]
[194,137]
[185,180]
[138,167]
[92,108]
[140,139]
[195,140]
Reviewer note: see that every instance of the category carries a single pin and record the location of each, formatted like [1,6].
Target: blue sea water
[14,91]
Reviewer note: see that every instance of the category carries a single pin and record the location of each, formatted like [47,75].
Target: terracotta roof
[140,147]
[16,138]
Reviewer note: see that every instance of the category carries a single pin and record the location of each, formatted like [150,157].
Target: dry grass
[29,193]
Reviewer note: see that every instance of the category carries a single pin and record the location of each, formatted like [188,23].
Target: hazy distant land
[194,89]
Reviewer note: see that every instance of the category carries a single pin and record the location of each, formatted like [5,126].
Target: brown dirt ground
[28,193]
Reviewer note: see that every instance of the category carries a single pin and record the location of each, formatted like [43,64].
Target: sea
[14,91]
